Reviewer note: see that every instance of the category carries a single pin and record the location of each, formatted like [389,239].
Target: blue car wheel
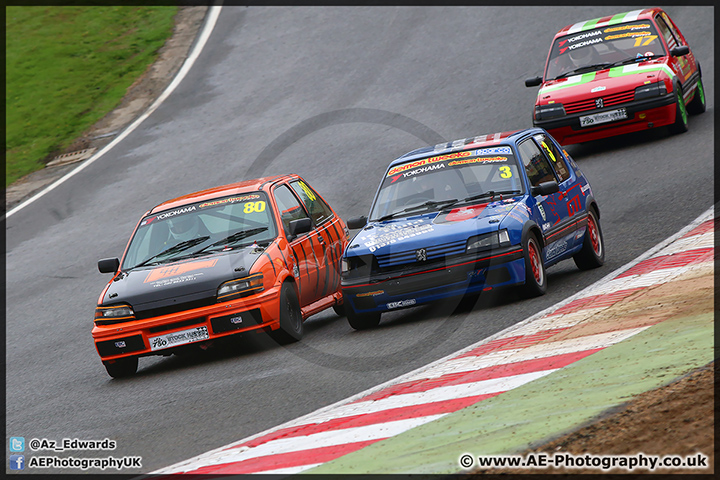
[535,278]
[362,321]
[592,253]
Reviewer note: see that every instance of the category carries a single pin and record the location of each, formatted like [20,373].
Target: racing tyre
[535,278]
[697,104]
[362,321]
[467,303]
[123,367]
[291,322]
[339,310]
[592,253]
[681,115]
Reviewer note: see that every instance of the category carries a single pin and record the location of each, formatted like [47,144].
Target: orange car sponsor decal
[308,191]
[174,270]
[427,161]
[172,213]
[478,160]
[229,200]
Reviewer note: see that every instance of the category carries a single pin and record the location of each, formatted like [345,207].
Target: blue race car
[469,216]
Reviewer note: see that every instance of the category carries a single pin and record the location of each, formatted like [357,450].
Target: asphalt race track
[333,94]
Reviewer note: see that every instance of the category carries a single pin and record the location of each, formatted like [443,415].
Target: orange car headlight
[240,287]
[114,314]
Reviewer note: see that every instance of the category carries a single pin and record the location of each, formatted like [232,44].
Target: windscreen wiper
[428,204]
[174,249]
[634,60]
[234,238]
[491,194]
[588,68]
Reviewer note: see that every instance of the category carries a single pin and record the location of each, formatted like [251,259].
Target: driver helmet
[423,184]
[184,227]
[581,56]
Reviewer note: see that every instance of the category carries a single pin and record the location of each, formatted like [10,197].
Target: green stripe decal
[701,91]
[589,24]
[619,18]
[614,20]
[633,69]
[571,82]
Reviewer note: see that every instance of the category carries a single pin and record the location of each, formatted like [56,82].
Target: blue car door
[571,194]
[555,212]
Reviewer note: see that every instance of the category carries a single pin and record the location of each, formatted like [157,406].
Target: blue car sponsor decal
[384,235]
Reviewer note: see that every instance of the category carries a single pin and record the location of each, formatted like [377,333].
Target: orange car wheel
[122,367]
[291,322]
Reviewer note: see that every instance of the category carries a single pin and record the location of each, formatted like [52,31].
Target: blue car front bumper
[416,285]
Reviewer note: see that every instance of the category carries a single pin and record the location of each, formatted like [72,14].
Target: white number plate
[604,117]
[179,338]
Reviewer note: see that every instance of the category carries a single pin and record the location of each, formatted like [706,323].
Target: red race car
[256,255]
[618,74]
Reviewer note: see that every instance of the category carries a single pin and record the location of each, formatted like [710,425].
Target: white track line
[704,240]
[533,352]
[291,470]
[296,444]
[212,16]
[564,320]
[644,280]
[437,394]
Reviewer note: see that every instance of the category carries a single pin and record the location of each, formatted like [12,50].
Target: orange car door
[329,237]
[302,247]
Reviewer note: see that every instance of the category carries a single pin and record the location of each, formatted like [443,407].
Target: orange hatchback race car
[256,255]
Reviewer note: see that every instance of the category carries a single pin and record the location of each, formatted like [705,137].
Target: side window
[140,247]
[537,166]
[556,158]
[678,36]
[289,206]
[666,32]
[319,210]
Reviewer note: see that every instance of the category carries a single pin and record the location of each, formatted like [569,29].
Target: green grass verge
[66,68]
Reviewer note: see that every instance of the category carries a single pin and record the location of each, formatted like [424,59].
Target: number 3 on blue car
[469,216]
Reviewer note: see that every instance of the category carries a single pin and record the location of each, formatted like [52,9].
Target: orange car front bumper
[162,334]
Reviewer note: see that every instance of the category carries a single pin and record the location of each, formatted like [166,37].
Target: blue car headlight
[552,110]
[358,266]
[651,90]
[488,241]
